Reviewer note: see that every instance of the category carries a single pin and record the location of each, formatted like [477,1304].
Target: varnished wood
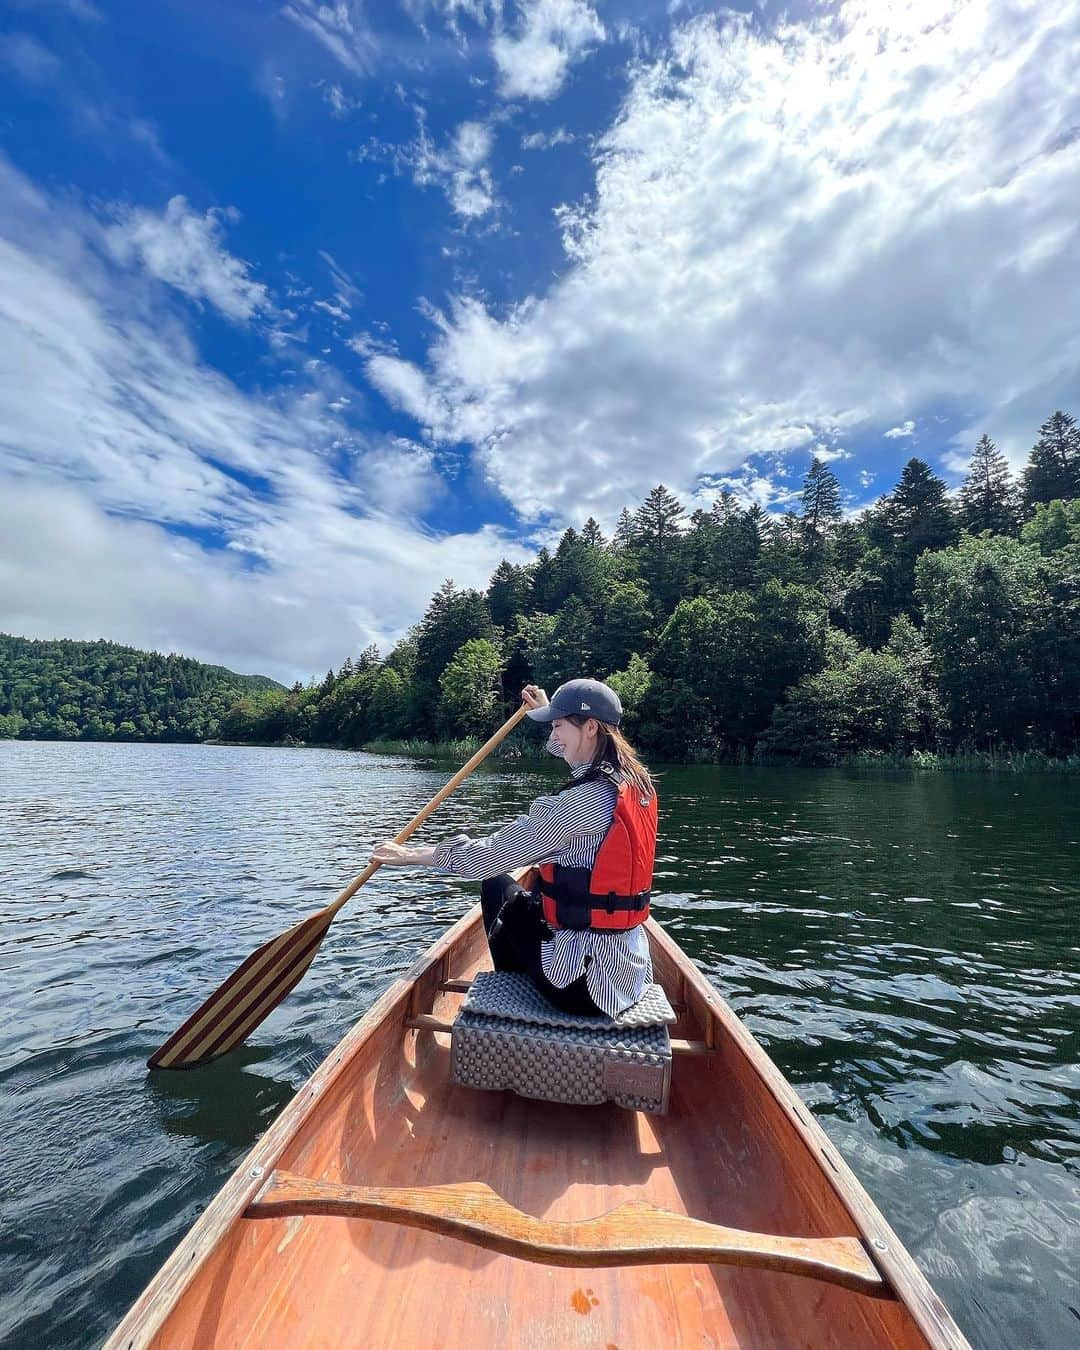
[737,1149]
[426,1022]
[272,971]
[634,1234]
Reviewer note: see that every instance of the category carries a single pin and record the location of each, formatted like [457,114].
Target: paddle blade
[248,996]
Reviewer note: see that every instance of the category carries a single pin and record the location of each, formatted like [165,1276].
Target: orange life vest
[614,892]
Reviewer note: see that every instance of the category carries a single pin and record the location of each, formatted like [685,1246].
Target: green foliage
[1055,526]
[1053,468]
[469,689]
[923,627]
[64,690]
[988,499]
[985,604]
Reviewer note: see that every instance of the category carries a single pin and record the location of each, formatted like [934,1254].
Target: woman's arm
[397,855]
[552,822]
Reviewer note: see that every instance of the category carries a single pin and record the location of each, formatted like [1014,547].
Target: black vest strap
[586,900]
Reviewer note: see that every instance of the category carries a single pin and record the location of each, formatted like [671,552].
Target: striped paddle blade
[248,996]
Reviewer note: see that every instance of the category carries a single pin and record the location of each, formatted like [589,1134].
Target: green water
[904,945]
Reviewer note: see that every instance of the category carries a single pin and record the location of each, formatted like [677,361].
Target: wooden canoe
[387,1207]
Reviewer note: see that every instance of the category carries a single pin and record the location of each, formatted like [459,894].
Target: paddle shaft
[436,801]
[255,988]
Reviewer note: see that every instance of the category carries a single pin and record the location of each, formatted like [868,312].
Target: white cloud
[897,433]
[460,169]
[794,236]
[540,140]
[146,498]
[342,28]
[184,250]
[551,35]
[400,477]
[339,102]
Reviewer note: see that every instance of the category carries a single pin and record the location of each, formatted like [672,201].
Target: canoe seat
[508,1036]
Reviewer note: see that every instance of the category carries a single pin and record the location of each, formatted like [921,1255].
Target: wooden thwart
[428,1022]
[635,1234]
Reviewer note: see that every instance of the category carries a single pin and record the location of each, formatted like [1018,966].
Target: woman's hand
[534,697]
[397,855]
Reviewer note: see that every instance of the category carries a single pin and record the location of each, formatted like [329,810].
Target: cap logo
[585,707]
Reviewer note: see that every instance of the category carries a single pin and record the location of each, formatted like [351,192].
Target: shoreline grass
[961,761]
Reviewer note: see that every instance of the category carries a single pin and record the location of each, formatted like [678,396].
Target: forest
[101,691]
[932,622]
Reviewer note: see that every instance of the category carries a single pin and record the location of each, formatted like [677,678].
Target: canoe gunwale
[146,1316]
[883,1245]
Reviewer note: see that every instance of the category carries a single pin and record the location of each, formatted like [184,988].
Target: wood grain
[636,1233]
[737,1149]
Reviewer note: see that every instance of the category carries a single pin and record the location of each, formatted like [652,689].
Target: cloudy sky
[307,306]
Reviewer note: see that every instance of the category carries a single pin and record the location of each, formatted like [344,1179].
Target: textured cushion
[507,1036]
[498,993]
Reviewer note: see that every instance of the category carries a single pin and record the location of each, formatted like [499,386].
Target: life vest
[614,893]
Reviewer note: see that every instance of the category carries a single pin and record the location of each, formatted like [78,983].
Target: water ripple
[903,945]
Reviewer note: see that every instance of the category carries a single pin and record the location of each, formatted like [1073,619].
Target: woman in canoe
[580,938]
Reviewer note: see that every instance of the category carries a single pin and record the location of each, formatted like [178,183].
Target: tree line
[101,691]
[930,622]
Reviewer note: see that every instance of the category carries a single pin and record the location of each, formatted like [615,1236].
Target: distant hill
[66,690]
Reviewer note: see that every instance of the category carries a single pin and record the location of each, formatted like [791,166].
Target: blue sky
[304,307]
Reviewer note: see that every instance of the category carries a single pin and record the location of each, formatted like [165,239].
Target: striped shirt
[568,829]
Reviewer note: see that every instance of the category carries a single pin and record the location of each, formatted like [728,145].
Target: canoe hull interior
[734,1149]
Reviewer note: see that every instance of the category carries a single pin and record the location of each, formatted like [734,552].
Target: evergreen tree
[592,535]
[542,585]
[508,594]
[914,518]
[1053,468]
[625,627]
[658,537]
[624,536]
[578,569]
[452,618]
[820,500]
[987,498]
[658,520]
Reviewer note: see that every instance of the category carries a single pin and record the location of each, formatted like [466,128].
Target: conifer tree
[541,588]
[657,526]
[1053,467]
[508,593]
[987,498]
[592,535]
[820,499]
[913,519]
[624,530]
[658,519]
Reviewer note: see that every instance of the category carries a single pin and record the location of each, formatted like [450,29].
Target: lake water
[905,945]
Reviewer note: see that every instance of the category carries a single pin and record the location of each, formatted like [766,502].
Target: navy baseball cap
[581,698]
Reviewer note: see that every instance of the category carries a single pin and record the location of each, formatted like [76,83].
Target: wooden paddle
[255,989]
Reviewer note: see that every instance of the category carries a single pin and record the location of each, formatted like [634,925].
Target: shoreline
[971,761]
